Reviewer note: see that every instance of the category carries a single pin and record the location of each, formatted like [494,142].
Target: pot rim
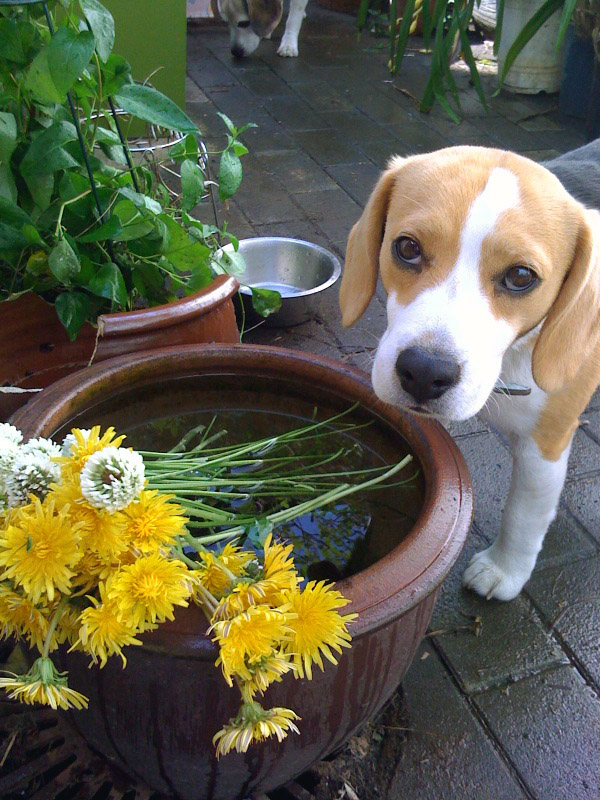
[409,572]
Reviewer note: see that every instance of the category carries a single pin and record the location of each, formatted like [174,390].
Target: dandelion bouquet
[99,544]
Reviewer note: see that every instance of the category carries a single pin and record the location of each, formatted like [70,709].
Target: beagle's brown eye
[245,23]
[408,250]
[519,279]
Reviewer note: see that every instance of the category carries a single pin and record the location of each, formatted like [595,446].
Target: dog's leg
[502,570]
[289,40]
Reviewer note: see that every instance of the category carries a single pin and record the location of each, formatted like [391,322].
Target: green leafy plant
[80,223]
[446,33]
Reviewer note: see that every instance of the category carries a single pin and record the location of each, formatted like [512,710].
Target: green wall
[151,34]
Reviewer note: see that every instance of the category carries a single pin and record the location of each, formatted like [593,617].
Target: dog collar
[512,389]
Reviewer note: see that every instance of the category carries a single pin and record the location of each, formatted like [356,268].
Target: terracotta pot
[37,351]
[156,718]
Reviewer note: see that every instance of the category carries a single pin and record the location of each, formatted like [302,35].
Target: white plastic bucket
[538,68]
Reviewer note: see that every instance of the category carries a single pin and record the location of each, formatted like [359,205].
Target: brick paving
[511,712]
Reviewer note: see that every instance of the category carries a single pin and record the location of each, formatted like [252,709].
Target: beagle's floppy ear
[362,253]
[264,15]
[572,328]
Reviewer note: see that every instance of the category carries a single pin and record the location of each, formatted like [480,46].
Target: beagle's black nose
[237,51]
[426,374]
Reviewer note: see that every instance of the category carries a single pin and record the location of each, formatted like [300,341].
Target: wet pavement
[502,700]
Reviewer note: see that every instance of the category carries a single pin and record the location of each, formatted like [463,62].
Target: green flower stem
[303,508]
[52,627]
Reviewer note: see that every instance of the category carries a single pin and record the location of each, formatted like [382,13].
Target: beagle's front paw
[288,47]
[484,576]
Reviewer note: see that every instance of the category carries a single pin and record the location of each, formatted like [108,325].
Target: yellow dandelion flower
[153,522]
[211,575]
[67,629]
[317,626]
[235,559]
[149,589]
[20,617]
[39,549]
[250,636]
[101,633]
[43,684]
[254,724]
[101,532]
[277,574]
[278,567]
[90,571]
[265,671]
[79,445]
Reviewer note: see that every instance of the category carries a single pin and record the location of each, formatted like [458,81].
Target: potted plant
[161,717]
[446,31]
[83,226]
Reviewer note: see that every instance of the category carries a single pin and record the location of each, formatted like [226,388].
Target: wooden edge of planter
[222,288]
[396,583]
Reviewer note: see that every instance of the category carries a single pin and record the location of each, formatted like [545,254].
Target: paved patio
[502,700]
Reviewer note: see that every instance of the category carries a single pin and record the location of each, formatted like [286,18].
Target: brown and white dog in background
[252,20]
[492,271]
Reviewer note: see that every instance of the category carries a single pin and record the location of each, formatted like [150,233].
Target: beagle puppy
[252,20]
[492,272]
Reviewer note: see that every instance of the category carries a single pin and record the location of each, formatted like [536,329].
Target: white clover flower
[9,447]
[112,478]
[10,433]
[31,473]
[70,442]
[41,447]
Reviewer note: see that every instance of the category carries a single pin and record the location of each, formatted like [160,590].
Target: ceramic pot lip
[393,585]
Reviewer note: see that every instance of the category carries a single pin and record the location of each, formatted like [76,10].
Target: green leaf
[186,148]
[102,25]
[47,152]
[192,184]
[258,531]
[12,213]
[115,74]
[184,253]
[140,200]
[152,106]
[363,13]
[8,187]
[32,235]
[229,262]
[63,262]
[499,23]
[108,230]
[239,148]
[108,282]
[11,43]
[68,55]
[72,309]
[86,273]
[134,224]
[11,237]
[265,301]
[39,80]
[228,124]
[41,188]
[148,280]
[199,280]
[565,20]
[8,135]
[230,174]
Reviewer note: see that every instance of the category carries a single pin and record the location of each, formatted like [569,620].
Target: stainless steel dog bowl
[300,271]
